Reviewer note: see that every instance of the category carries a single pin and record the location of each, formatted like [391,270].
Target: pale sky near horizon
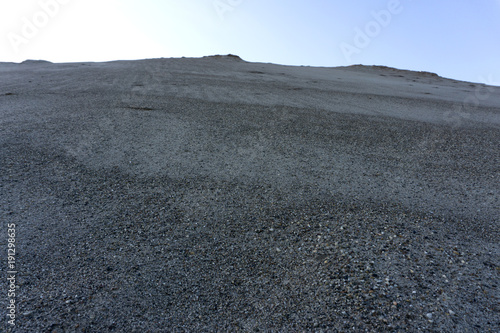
[454,38]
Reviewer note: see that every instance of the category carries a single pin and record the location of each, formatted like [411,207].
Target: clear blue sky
[454,38]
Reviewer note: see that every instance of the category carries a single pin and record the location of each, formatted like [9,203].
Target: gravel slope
[214,194]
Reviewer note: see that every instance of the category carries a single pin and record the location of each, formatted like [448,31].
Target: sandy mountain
[216,194]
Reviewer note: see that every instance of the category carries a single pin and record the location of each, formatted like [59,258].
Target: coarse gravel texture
[218,195]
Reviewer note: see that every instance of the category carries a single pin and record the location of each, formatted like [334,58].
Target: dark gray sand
[213,194]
